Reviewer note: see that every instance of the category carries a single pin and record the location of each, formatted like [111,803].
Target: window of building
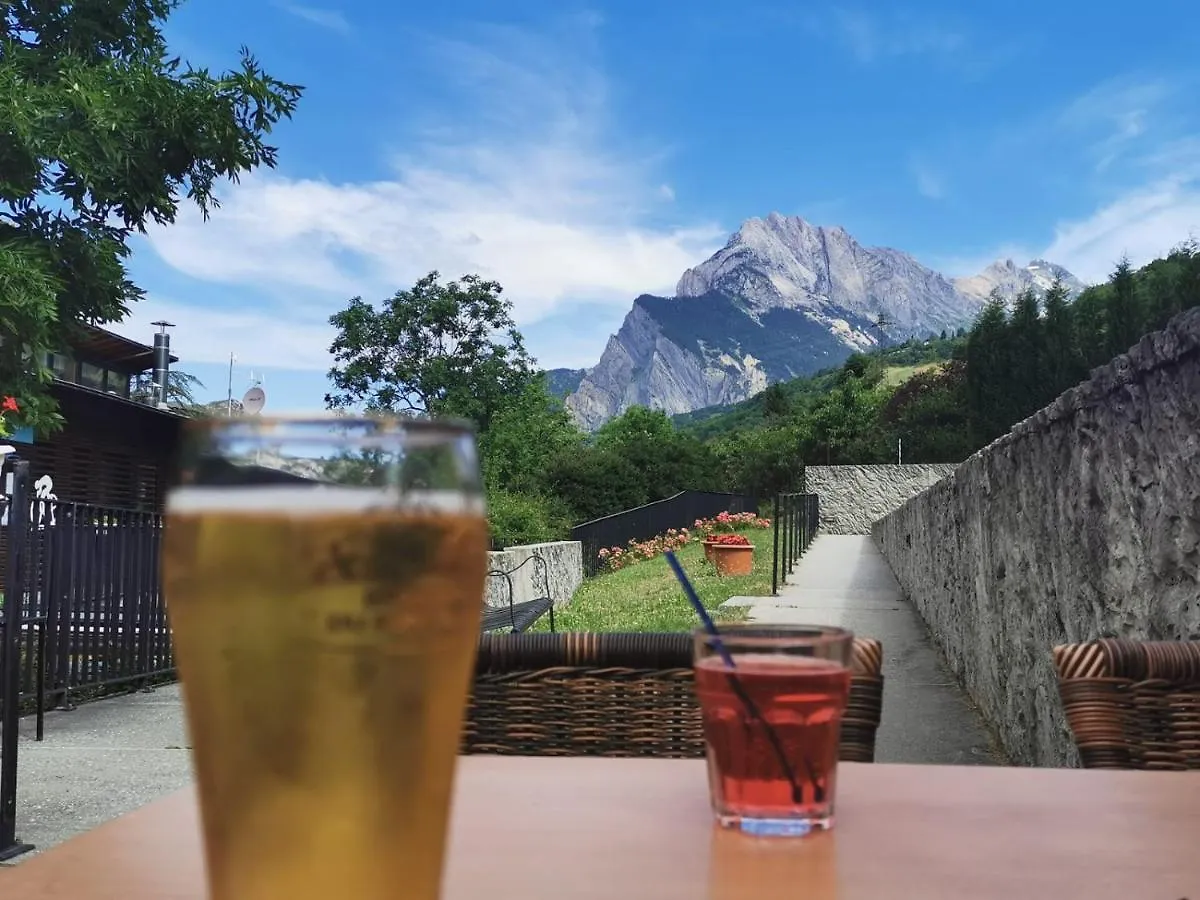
[118,383]
[63,366]
[91,376]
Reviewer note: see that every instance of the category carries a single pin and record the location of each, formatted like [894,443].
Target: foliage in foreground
[104,134]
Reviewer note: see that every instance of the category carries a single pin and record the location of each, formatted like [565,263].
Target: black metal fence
[796,517]
[679,511]
[82,612]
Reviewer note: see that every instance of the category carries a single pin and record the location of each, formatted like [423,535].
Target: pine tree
[1122,313]
[1065,367]
[988,368]
[1028,375]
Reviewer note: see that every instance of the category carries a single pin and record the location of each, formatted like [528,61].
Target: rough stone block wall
[1082,522]
[564,569]
[853,498]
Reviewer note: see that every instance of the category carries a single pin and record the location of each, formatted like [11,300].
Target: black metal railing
[82,613]
[642,522]
[796,518]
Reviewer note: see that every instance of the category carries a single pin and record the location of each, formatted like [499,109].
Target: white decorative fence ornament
[47,502]
[43,507]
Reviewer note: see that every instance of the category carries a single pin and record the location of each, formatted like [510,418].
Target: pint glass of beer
[324,581]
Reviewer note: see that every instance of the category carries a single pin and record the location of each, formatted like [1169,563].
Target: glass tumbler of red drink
[772,723]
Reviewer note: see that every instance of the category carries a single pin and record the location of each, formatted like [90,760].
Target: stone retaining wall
[564,565]
[853,498]
[1082,522]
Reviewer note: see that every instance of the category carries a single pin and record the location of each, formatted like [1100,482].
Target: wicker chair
[1132,704]
[575,694]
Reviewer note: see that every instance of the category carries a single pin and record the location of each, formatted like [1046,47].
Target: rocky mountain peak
[1009,279]
[782,298]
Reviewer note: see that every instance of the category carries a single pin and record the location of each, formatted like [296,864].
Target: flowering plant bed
[723,524]
[614,558]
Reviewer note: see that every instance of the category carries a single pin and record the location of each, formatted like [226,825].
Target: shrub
[526,518]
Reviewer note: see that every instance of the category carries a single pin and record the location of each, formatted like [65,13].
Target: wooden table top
[631,828]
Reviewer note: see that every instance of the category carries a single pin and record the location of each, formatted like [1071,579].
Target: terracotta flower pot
[733,559]
[708,550]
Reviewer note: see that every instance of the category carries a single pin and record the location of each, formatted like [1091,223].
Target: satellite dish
[253,401]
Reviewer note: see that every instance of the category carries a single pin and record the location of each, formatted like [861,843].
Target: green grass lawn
[894,376]
[646,597]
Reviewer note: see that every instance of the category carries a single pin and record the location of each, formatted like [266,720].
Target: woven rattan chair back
[616,694]
[1132,704]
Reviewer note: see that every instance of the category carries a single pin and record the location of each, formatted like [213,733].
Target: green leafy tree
[776,404]
[845,423]
[515,518]
[595,483]
[437,349]
[525,438]
[765,461]
[666,461]
[930,414]
[181,390]
[103,133]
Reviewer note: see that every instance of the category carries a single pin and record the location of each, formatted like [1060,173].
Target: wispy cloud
[929,182]
[1142,224]
[331,19]
[1142,138]
[872,37]
[523,178]
[1114,115]
[1124,154]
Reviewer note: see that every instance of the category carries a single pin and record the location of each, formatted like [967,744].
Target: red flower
[9,405]
[731,540]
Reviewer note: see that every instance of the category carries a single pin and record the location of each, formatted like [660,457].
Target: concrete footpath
[843,580]
[99,761]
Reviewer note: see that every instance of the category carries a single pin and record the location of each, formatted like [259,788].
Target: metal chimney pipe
[162,362]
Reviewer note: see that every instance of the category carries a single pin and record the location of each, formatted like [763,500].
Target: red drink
[777,777]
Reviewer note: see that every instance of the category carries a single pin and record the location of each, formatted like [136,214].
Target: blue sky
[583,154]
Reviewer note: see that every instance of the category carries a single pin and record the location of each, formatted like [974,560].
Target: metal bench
[520,616]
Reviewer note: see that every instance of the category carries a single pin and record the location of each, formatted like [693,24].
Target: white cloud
[1114,115]
[330,19]
[204,334]
[533,191]
[1143,224]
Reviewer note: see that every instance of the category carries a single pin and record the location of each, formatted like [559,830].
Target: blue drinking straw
[736,685]
[694,599]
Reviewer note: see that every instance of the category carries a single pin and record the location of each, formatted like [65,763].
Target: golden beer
[325,643]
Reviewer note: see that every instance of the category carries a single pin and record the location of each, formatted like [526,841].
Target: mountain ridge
[782,299]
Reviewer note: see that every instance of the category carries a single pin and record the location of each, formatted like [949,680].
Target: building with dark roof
[114,450]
